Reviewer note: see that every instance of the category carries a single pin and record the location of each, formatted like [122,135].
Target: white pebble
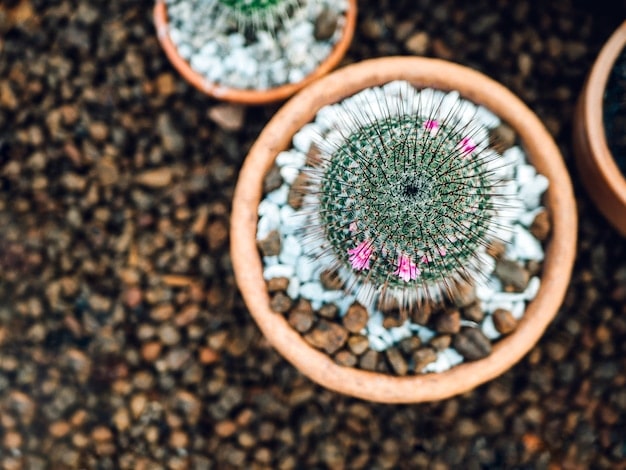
[400,332]
[305,269]
[440,365]
[453,356]
[532,288]
[289,174]
[312,291]
[487,118]
[518,309]
[277,270]
[489,329]
[526,246]
[293,289]
[291,158]
[290,249]
[304,137]
[279,196]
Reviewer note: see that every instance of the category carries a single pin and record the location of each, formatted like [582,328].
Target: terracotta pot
[598,170]
[542,153]
[250,97]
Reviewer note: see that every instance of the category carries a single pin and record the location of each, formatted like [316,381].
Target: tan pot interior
[598,170]
[560,253]
[250,97]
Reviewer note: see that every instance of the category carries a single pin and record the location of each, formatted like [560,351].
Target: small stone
[504,321]
[172,140]
[541,226]
[502,138]
[270,245]
[418,43]
[169,335]
[98,131]
[280,302]
[73,182]
[325,24]
[121,419]
[151,351]
[165,84]
[101,434]
[358,344]
[448,322]
[420,314]
[441,342]
[474,312]
[397,361]
[277,284]
[59,429]
[512,274]
[496,249]
[272,180]
[297,191]
[345,358]
[410,344]
[369,360]
[156,178]
[229,117]
[208,356]
[328,336]
[138,404]
[329,311]
[179,439]
[355,318]
[422,357]
[472,344]
[331,280]
[301,320]
[464,294]
[225,428]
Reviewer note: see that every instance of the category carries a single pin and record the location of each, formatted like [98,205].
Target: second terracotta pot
[542,153]
[250,97]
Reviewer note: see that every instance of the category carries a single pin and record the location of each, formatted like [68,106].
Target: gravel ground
[123,340]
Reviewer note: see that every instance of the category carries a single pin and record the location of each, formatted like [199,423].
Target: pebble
[448,322]
[472,344]
[355,319]
[328,336]
[229,117]
[155,178]
[301,320]
[423,357]
[512,274]
[504,321]
[418,43]
[325,24]
[397,361]
[358,344]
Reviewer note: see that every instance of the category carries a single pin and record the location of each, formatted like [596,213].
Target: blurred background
[123,340]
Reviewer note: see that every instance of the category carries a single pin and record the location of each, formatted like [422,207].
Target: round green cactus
[404,203]
[258,14]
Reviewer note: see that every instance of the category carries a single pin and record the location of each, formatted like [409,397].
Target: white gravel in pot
[256,59]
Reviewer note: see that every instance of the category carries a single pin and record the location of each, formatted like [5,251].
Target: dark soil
[124,343]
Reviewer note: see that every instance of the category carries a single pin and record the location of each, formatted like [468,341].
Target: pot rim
[542,153]
[598,166]
[244,96]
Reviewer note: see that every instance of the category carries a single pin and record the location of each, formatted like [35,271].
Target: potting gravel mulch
[123,340]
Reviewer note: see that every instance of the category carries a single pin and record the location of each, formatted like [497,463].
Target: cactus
[403,199]
[255,15]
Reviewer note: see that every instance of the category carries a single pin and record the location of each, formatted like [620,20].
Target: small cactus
[266,15]
[402,200]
